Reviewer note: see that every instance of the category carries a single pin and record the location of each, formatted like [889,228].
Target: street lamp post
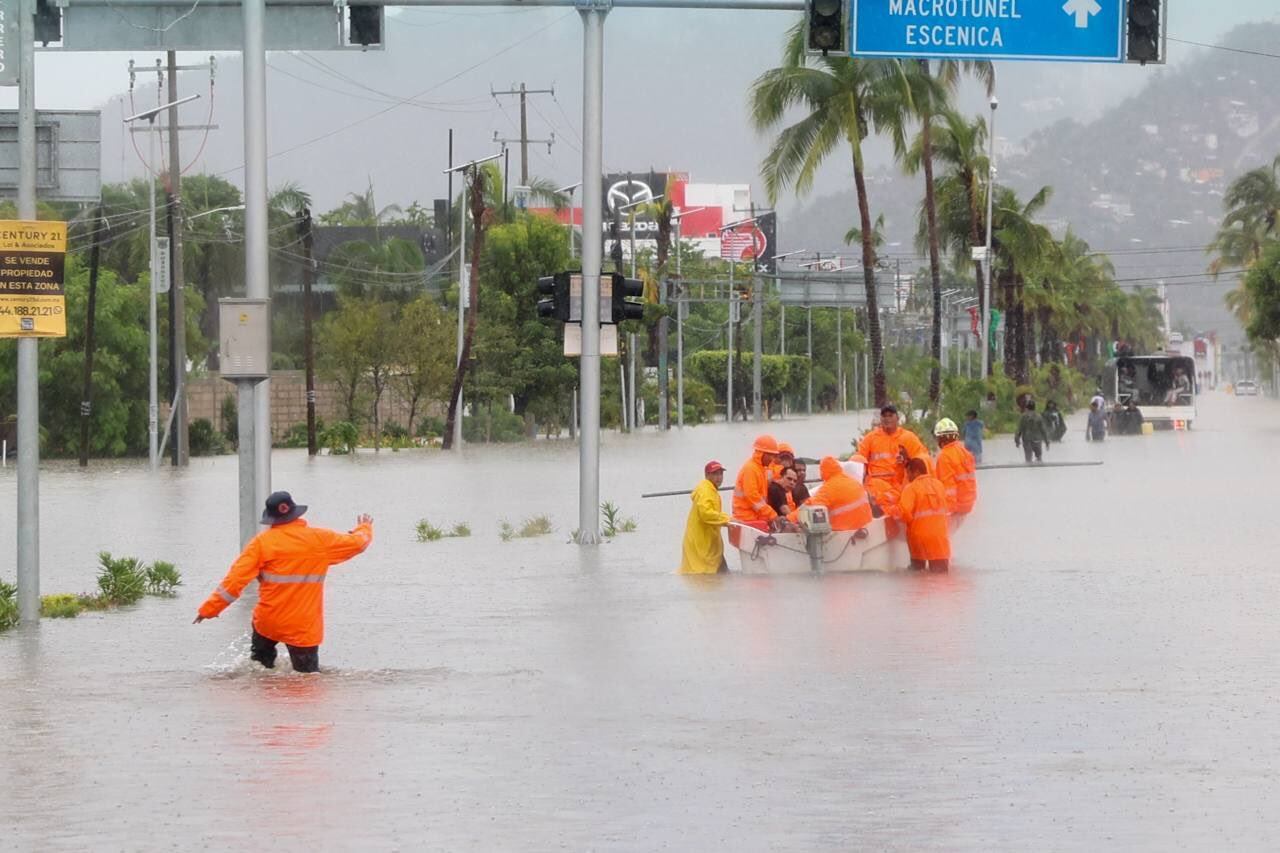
[153,405]
[570,190]
[676,218]
[984,326]
[636,422]
[464,278]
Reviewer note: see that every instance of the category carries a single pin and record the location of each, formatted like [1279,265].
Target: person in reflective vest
[703,549]
[956,468]
[290,561]
[845,499]
[887,448]
[751,488]
[923,509]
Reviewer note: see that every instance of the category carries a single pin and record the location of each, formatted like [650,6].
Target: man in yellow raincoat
[703,552]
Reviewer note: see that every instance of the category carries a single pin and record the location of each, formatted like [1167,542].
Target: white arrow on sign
[1083,10]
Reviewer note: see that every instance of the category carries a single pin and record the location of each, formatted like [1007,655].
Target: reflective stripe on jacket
[957,469]
[751,492]
[290,562]
[923,508]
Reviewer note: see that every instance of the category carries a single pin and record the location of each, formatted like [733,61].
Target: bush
[428,532]
[163,579]
[341,438]
[60,606]
[538,525]
[230,421]
[461,530]
[296,435]
[493,426]
[205,440]
[8,606]
[430,428]
[393,431]
[699,402]
[121,581]
[614,523]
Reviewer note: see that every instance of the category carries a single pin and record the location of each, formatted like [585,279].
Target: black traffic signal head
[624,289]
[826,26]
[1145,35]
[366,25]
[555,292]
[48,22]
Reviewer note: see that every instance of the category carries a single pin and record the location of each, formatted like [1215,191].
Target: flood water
[1098,670]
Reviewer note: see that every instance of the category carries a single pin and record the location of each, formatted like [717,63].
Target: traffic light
[366,25]
[826,26]
[555,289]
[48,22]
[623,289]
[1145,36]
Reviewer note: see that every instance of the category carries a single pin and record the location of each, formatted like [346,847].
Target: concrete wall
[289,401]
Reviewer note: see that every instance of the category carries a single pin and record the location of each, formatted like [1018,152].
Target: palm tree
[1020,245]
[842,100]
[1252,221]
[361,209]
[932,95]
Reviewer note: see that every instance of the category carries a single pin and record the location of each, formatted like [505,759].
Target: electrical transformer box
[244,337]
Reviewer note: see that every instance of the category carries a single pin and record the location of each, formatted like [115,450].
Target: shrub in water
[428,532]
[539,525]
[60,606]
[163,579]
[8,605]
[460,530]
[121,581]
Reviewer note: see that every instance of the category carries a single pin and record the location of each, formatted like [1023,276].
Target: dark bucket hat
[281,509]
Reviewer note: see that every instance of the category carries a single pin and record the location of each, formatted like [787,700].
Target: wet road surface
[1098,670]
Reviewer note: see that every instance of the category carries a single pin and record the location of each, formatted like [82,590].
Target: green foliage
[340,438]
[230,420]
[538,525]
[428,532]
[461,530]
[296,435]
[505,531]
[614,522]
[121,581]
[1262,287]
[492,425]
[8,606]
[430,428]
[60,606]
[205,440]
[163,579]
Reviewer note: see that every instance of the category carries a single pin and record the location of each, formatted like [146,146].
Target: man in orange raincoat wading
[956,468]
[290,561]
[923,509]
[751,489]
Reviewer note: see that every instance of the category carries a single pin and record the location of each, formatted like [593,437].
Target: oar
[690,491]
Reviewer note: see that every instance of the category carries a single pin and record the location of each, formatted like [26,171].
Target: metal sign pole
[984,324]
[153,404]
[28,348]
[592,227]
[255,232]
[464,269]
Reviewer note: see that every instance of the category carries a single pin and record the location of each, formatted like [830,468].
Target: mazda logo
[628,192]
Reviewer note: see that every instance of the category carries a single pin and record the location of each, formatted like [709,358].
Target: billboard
[632,188]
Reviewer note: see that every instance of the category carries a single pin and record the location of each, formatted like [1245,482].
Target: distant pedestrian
[1054,423]
[290,561]
[1032,435]
[1097,427]
[973,432]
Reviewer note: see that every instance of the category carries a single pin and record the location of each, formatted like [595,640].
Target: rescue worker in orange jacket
[888,447]
[751,489]
[923,509]
[845,499]
[956,468]
[290,561]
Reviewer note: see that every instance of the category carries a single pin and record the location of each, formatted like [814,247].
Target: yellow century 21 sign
[32,259]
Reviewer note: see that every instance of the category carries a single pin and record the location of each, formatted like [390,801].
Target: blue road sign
[1055,30]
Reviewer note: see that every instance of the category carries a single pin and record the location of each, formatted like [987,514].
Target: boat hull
[883,548]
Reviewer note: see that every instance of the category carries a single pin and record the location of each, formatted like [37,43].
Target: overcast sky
[676,87]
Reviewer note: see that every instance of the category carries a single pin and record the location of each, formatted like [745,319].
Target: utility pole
[86,398]
[28,515]
[308,344]
[177,307]
[524,139]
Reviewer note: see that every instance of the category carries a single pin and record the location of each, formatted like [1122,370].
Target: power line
[1223,47]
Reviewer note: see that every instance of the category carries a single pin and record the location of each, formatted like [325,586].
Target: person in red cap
[290,561]
[703,550]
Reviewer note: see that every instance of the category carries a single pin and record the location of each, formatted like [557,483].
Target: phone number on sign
[31,311]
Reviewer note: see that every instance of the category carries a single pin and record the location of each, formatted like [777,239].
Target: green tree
[361,209]
[841,100]
[345,337]
[427,356]
[1251,224]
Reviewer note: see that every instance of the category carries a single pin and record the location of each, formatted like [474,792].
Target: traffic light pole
[592,257]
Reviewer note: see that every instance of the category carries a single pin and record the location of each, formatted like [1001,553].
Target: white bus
[1163,387]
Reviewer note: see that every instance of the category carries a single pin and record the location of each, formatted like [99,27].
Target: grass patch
[538,525]
[505,531]
[60,605]
[121,581]
[614,522]
[461,530]
[163,579]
